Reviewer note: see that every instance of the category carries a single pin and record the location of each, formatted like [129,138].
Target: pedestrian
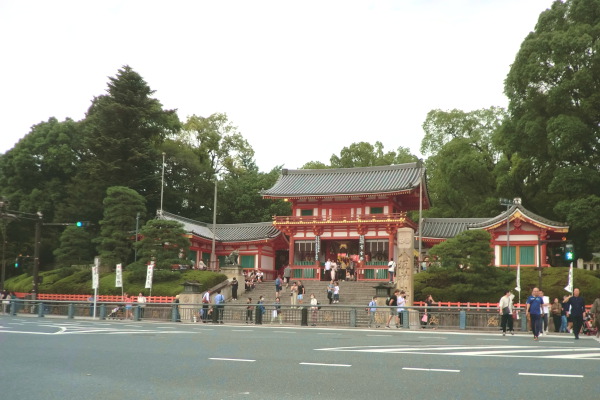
[401,303]
[595,311]
[556,311]
[426,318]
[176,303]
[141,300]
[314,309]
[391,269]
[249,310]
[277,285]
[372,309]
[392,303]
[287,274]
[128,306]
[91,301]
[277,311]
[234,289]
[330,291]
[564,320]
[220,306]
[328,270]
[205,306]
[533,310]
[505,308]
[336,292]
[545,312]
[301,291]
[294,294]
[260,310]
[5,301]
[576,311]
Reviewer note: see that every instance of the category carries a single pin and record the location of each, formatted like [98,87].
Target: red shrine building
[351,216]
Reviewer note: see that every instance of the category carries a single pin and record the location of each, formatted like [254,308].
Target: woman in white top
[505,308]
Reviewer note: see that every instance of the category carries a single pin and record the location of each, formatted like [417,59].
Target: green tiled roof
[525,212]
[225,232]
[346,181]
[444,228]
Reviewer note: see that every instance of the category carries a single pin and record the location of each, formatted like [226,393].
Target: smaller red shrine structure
[526,241]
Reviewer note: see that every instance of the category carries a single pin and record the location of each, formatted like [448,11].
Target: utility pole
[36,254]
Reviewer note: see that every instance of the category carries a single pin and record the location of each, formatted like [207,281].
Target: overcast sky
[300,79]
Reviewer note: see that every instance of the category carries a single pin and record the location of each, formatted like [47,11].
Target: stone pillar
[404,263]
[190,301]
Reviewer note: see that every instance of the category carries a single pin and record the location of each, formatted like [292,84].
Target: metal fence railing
[450,318]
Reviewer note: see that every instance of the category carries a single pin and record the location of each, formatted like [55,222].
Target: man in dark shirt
[576,311]
[392,303]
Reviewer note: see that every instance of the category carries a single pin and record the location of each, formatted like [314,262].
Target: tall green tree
[462,163]
[123,131]
[117,228]
[551,138]
[163,242]
[364,154]
[76,247]
[241,198]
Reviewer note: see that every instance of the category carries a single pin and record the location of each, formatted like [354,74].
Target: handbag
[506,310]
[424,319]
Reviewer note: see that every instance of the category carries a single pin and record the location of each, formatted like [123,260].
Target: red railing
[318,219]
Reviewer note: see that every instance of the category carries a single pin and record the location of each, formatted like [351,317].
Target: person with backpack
[392,303]
[372,309]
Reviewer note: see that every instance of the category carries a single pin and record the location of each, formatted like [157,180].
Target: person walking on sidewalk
[533,310]
[576,311]
[505,308]
[392,303]
[372,309]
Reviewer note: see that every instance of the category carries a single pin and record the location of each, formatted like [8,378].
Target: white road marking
[498,340]
[231,359]
[431,369]
[327,333]
[431,337]
[551,375]
[381,335]
[326,365]
[242,330]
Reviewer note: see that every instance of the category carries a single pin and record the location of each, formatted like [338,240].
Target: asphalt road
[66,359]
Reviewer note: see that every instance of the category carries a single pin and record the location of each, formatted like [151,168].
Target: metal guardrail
[449,318]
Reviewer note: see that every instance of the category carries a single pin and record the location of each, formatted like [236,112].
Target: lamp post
[213,256]
[162,182]
[420,215]
[508,203]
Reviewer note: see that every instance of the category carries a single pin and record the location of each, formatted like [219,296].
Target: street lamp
[213,256]
[162,182]
[508,203]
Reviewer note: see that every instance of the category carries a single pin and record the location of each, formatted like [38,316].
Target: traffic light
[569,254]
[18,262]
[80,224]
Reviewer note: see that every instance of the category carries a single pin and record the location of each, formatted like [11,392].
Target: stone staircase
[351,293]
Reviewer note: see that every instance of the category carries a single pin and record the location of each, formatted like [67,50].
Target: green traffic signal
[569,253]
[79,224]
